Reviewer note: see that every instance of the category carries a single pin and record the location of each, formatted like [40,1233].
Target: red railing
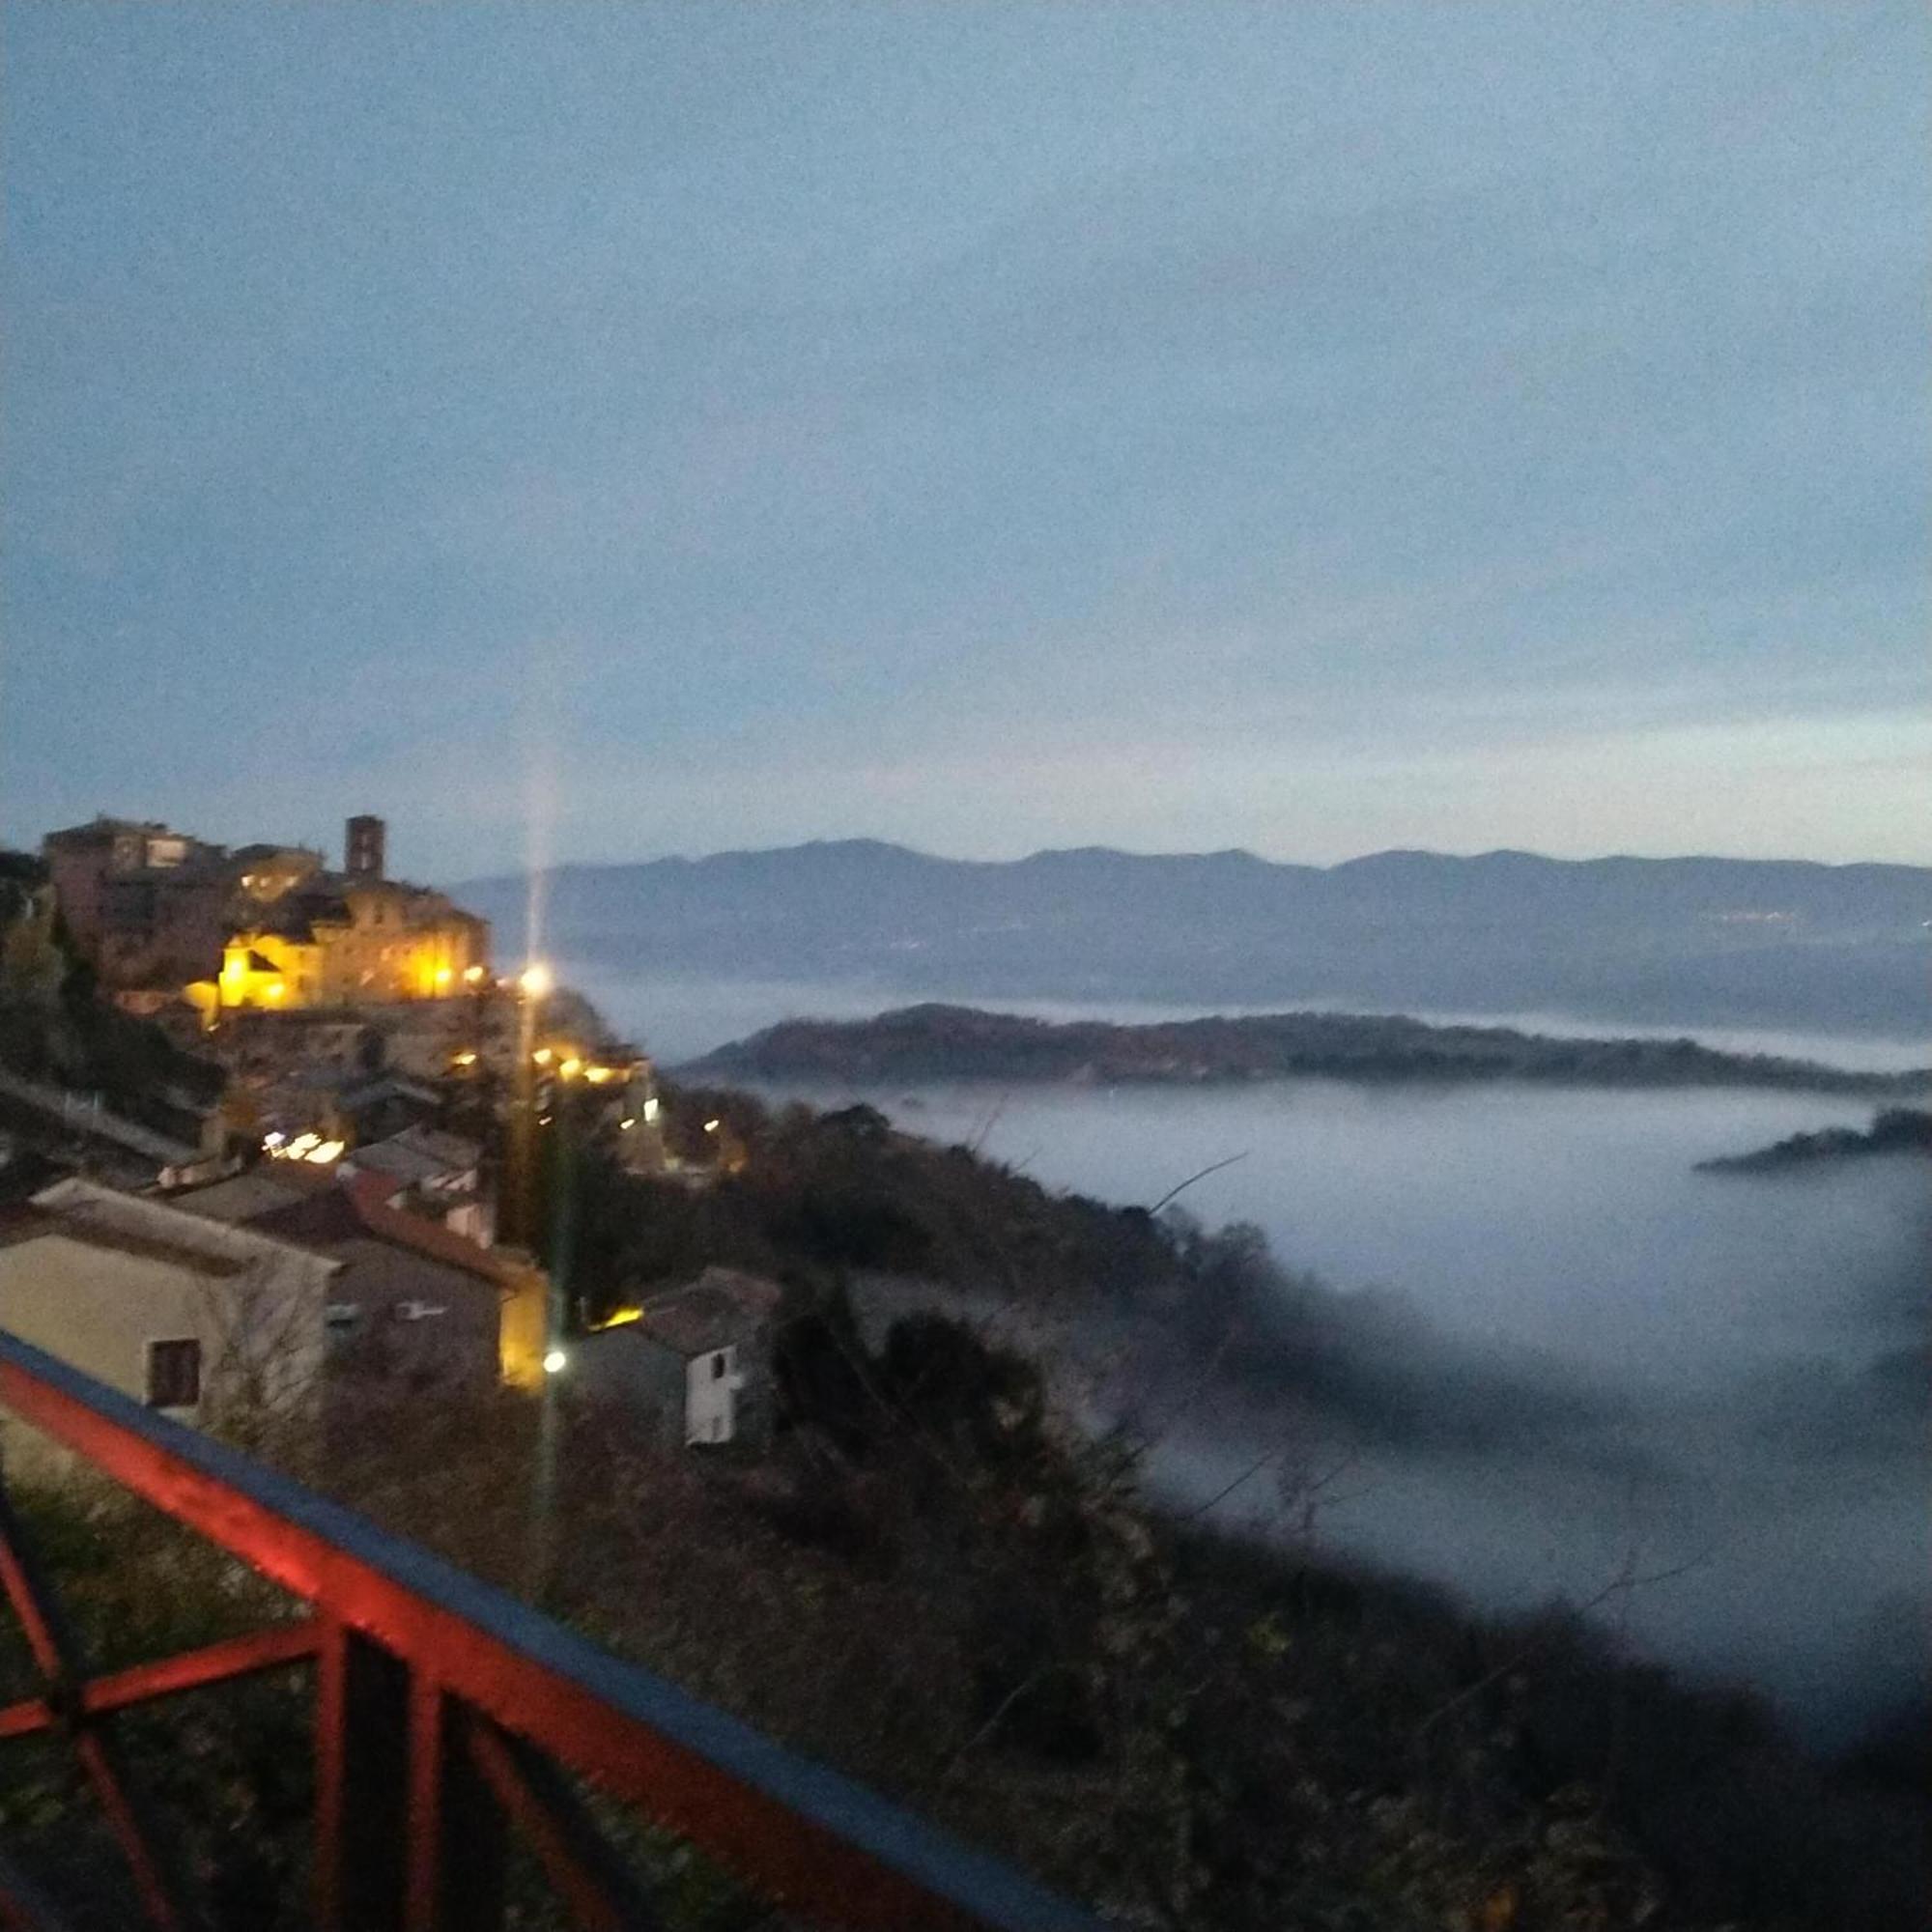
[446,1715]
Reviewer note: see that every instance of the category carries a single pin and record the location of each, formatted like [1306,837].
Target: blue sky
[608,431]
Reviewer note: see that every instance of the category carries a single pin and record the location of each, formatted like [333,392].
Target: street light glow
[536,980]
[555,1362]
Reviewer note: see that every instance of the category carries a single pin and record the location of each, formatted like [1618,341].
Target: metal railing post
[361,1814]
[457,1869]
[512,1707]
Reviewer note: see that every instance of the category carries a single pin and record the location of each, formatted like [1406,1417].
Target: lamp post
[533,985]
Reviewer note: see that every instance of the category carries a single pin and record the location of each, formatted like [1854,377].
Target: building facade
[695,1361]
[205,1321]
[266,927]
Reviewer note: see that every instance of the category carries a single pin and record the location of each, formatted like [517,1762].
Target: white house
[700,1357]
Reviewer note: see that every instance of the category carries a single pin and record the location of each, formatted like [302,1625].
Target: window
[718,1367]
[174,1375]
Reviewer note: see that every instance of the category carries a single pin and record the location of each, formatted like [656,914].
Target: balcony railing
[446,1718]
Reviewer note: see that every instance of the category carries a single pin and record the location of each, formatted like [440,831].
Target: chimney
[363,847]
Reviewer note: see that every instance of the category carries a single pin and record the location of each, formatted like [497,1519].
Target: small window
[718,1368]
[174,1375]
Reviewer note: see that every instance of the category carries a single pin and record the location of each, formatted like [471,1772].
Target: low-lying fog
[1725,1338]
[1730,1325]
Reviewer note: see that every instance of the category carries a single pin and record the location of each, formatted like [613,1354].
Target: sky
[596,433]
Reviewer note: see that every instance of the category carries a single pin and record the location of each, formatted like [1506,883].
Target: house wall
[79,870]
[456,1350]
[161,924]
[525,1322]
[97,1309]
[295,981]
[711,1385]
[398,945]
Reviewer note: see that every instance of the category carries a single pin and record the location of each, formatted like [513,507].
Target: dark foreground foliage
[931,1585]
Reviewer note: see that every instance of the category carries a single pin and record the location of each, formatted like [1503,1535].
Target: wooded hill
[915,1044]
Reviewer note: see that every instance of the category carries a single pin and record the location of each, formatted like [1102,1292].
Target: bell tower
[363,847]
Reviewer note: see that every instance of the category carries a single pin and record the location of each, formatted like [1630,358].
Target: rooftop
[357,1208]
[418,1154]
[721,1307]
[84,1211]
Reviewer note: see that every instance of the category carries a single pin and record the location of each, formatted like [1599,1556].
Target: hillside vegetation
[936,1583]
[1898,1131]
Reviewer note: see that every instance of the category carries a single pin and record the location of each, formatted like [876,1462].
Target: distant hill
[1899,1130]
[936,1042]
[1682,941]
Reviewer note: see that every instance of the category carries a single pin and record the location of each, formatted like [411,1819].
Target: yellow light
[555,1362]
[277,989]
[472,974]
[651,1107]
[711,1126]
[325,1152]
[619,1317]
[627,1124]
[443,976]
[537,980]
[465,1059]
[571,1067]
[597,1075]
[542,1056]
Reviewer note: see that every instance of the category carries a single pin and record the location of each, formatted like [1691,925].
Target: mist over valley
[1532,1347]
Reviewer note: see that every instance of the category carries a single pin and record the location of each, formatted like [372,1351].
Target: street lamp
[535,980]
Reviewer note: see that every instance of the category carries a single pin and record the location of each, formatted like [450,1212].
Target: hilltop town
[256,1080]
[331,1001]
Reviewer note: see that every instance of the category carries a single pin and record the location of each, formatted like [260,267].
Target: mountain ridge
[1684,941]
[895,849]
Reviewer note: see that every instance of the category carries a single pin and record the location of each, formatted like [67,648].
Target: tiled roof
[418,1154]
[247,1197]
[23,1223]
[720,1308]
[358,1206]
[85,1207]
[101,829]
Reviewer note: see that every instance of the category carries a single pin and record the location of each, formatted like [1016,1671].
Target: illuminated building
[265,926]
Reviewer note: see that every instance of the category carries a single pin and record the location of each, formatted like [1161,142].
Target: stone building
[265,927]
